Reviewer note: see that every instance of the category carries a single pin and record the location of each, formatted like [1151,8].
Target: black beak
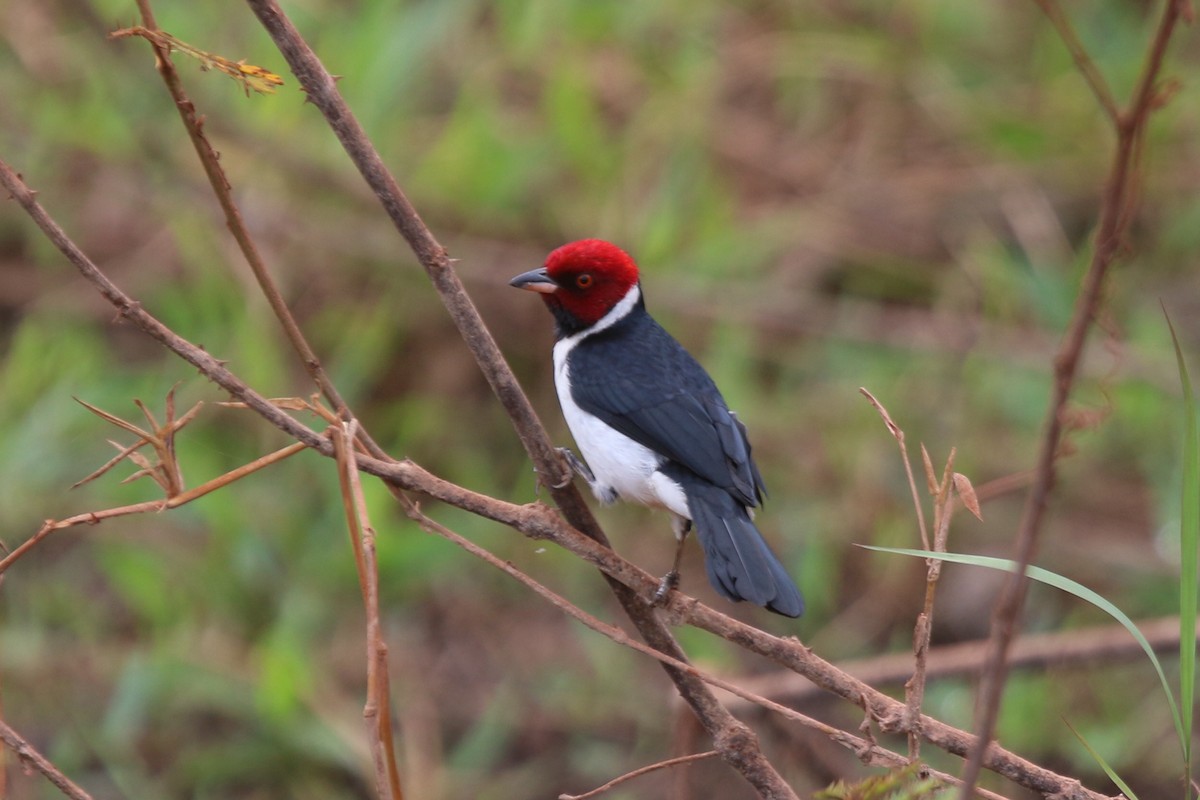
[536,280]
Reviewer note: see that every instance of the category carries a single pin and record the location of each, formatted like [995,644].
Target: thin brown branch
[321,89]
[193,122]
[670,763]
[122,454]
[167,432]
[914,688]
[28,755]
[898,434]
[131,310]
[377,711]
[889,713]
[867,751]
[248,75]
[1102,645]
[95,517]
[1115,215]
[539,522]
[787,651]
[741,751]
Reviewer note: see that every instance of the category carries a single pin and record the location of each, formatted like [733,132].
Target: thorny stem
[1115,215]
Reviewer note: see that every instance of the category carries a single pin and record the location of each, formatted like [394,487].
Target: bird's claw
[669,581]
[577,466]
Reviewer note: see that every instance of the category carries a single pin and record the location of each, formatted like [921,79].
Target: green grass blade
[1109,771]
[1067,585]
[1189,536]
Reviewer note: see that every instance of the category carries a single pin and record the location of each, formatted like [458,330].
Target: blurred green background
[822,196]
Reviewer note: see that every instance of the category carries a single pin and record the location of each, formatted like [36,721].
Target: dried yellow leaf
[966,493]
[248,75]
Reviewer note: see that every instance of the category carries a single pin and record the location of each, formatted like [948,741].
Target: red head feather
[592,276]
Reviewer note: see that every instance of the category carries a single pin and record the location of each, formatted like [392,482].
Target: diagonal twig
[94,517]
[678,761]
[868,752]
[30,756]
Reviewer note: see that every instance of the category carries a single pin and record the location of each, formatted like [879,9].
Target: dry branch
[28,755]
[670,763]
[149,506]
[1116,213]
[1103,644]
[377,713]
[223,190]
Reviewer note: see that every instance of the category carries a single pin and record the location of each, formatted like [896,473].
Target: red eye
[584,281]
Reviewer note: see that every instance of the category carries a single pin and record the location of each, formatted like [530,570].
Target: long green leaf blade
[1109,771]
[1067,585]
[1189,543]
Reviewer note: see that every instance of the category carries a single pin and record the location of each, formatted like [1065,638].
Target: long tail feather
[739,562]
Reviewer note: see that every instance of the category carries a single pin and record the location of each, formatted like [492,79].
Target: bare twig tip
[931,481]
[892,427]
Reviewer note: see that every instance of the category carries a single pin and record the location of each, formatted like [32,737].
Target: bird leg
[577,466]
[671,579]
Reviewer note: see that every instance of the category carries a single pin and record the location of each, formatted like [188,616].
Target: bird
[650,423]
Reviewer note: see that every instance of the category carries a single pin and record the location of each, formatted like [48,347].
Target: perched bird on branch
[650,423]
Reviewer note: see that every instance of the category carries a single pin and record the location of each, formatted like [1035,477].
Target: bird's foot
[577,466]
[669,581]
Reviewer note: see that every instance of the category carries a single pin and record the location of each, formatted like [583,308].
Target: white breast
[618,462]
